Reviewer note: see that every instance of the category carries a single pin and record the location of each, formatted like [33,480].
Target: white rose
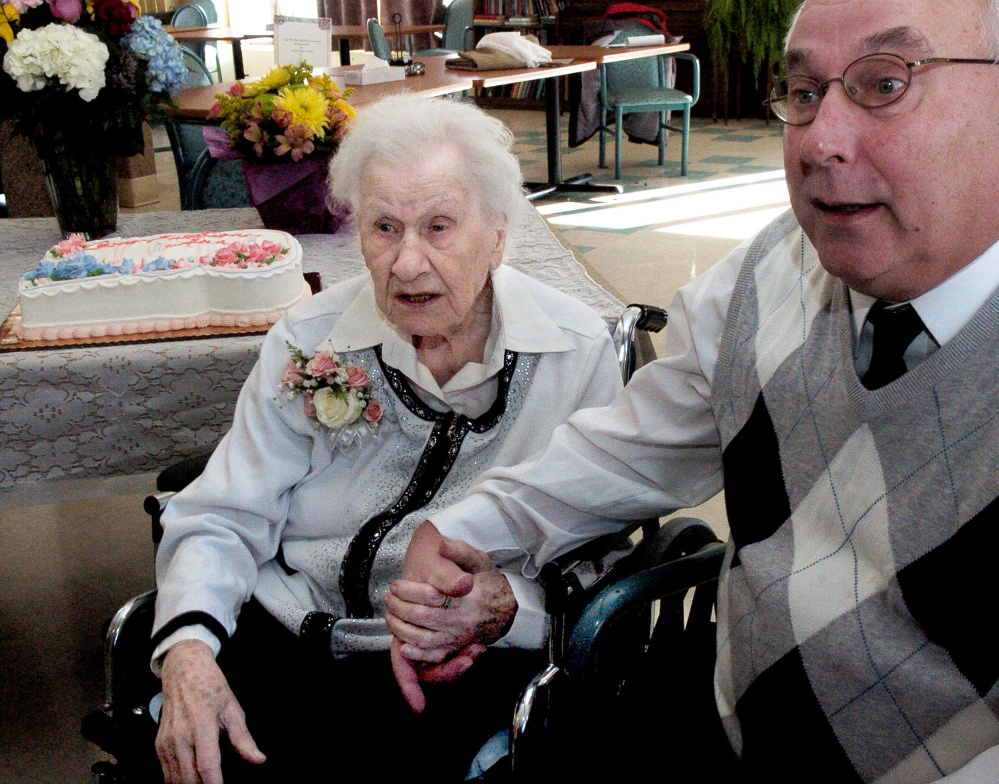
[335,411]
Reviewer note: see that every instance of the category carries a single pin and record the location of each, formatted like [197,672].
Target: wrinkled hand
[197,705]
[450,603]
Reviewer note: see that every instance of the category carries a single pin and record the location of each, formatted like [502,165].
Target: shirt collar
[518,324]
[948,307]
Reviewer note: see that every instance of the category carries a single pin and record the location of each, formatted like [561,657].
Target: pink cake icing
[161,283]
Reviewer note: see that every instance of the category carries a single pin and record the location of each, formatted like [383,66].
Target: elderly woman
[373,404]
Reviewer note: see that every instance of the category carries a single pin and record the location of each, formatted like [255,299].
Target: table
[586,58]
[194,104]
[234,36]
[346,32]
[122,409]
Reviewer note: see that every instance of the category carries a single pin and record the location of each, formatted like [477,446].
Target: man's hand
[197,705]
[450,603]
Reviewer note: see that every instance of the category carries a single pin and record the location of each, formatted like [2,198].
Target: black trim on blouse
[193,618]
[435,463]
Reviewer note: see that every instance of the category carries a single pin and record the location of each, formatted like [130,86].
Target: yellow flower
[9,16]
[307,107]
[346,108]
[272,82]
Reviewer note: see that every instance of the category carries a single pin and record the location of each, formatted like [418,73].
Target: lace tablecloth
[121,409]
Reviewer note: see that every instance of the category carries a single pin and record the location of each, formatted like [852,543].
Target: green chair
[458,30]
[640,85]
[379,43]
[197,15]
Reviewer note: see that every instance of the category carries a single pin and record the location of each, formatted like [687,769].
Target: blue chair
[640,85]
[379,43]
[458,30]
[204,181]
[197,14]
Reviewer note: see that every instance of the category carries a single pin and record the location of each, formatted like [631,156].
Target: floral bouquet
[87,74]
[337,394]
[79,80]
[287,116]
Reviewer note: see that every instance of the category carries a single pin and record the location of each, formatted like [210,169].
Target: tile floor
[71,552]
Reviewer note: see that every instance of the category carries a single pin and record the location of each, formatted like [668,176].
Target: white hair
[990,28]
[405,130]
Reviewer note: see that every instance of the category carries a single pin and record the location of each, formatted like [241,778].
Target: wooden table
[234,36]
[344,33]
[194,104]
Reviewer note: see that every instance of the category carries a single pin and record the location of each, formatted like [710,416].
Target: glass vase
[83,186]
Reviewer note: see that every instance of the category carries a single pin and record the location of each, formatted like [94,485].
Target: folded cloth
[488,60]
[526,49]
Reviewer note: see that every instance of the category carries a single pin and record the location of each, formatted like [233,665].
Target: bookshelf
[536,17]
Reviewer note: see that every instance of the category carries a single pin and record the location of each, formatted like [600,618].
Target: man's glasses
[873,81]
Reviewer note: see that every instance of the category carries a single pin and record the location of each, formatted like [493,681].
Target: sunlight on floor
[731,208]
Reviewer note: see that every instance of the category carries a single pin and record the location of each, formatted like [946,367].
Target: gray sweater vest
[853,640]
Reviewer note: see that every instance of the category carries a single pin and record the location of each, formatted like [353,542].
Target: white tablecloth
[121,409]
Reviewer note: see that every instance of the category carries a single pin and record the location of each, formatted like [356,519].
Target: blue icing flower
[45,269]
[127,267]
[159,264]
[72,267]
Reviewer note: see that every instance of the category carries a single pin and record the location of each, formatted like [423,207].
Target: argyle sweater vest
[860,582]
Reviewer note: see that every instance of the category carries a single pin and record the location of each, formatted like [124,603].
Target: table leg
[237,59]
[344,51]
[553,132]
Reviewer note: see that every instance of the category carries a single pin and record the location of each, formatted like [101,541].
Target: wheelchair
[613,625]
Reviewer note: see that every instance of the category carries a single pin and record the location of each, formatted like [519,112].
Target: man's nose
[411,261]
[832,137]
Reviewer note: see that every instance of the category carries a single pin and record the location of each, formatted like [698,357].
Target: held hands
[450,603]
[197,705]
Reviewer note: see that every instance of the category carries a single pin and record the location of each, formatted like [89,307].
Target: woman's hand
[197,705]
[450,603]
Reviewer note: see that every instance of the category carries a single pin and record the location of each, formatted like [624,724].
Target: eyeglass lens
[872,81]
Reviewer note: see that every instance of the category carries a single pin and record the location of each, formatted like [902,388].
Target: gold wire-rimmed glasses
[872,81]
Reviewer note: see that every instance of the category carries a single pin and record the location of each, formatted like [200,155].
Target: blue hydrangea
[165,69]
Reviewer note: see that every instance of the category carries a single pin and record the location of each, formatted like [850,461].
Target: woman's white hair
[990,28]
[402,131]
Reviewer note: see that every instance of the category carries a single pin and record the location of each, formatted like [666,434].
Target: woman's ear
[498,249]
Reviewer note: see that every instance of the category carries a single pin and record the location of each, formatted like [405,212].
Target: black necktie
[895,328]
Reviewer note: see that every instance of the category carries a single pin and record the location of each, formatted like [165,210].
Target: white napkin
[514,44]
[374,64]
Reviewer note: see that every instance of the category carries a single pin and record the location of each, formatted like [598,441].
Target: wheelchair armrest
[522,713]
[118,627]
[635,317]
[176,477]
[659,582]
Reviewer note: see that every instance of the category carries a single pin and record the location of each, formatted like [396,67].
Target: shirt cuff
[531,623]
[477,521]
[193,632]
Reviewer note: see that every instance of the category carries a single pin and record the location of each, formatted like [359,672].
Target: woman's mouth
[416,299]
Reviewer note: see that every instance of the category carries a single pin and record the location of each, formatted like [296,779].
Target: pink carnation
[225,256]
[23,5]
[292,375]
[271,248]
[357,378]
[70,246]
[321,364]
[310,407]
[374,412]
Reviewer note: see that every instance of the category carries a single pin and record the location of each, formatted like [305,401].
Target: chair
[197,14]
[640,85]
[379,43]
[124,725]
[458,30]
[204,181]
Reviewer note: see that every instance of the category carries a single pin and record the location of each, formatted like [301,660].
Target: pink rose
[321,364]
[67,10]
[225,256]
[357,378]
[373,413]
[310,407]
[292,375]
[255,255]
[271,248]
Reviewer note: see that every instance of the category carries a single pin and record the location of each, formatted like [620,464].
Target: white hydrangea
[62,51]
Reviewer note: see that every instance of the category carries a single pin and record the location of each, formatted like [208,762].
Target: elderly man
[838,376]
